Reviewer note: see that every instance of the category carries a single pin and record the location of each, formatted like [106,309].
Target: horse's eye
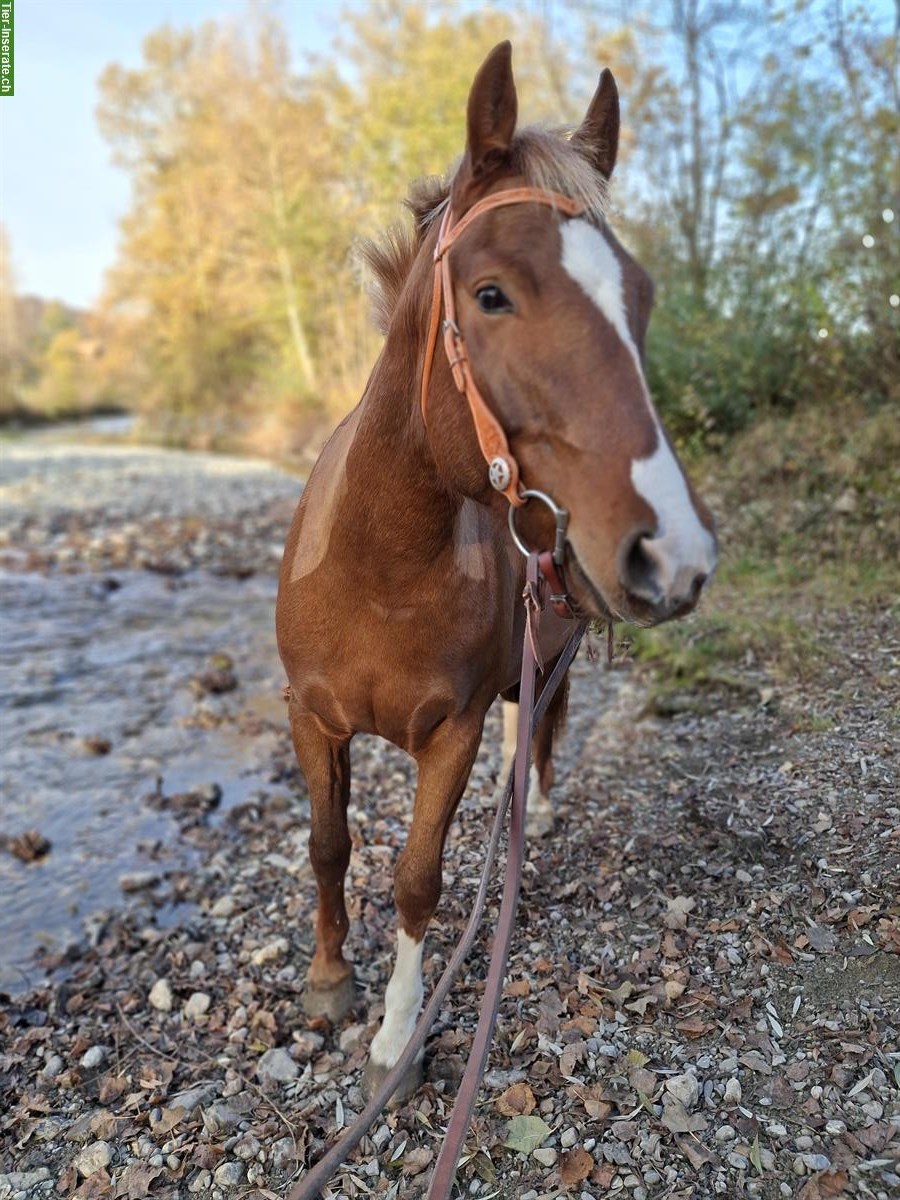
[492,300]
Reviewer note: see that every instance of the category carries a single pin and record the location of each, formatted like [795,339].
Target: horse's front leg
[539,820]
[325,761]
[444,765]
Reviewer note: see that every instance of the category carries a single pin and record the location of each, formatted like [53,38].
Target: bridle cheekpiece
[503,470]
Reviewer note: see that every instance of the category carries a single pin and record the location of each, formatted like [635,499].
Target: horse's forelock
[545,158]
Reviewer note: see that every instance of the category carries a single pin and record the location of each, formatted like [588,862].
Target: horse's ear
[598,134]
[491,113]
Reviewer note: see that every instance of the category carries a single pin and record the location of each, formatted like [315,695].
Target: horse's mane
[545,158]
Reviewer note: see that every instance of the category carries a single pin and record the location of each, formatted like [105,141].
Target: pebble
[93,1058]
[547,1157]
[26,1179]
[568,1138]
[804,1142]
[93,1158]
[685,1088]
[223,907]
[197,1006]
[53,1067]
[229,1174]
[282,1153]
[816,1162]
[725,1133]
[271,952]
[138,881]
[277,1065]
[799,1167]
[835,1127]
[161,996]
[351,1038]
[776,1130]
[247,1147]
[220,1117]
[191,1098]
[733,1092]
[738,1161]
[202,1182]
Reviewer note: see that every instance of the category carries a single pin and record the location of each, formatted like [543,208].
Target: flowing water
[97,658]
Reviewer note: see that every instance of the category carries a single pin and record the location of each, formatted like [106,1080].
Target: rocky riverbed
[704,993]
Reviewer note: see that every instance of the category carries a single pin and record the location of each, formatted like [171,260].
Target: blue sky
[60,197]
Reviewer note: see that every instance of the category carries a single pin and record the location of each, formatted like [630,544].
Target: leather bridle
[503,470]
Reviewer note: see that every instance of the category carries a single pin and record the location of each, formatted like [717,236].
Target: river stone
[191,1099]
[161,995]
[93,1057]
[271,952]
[247,1147]
[276,1065]
[229,1174]
[283,1154]
[685,1088]
[93,1158]
[22,1180]
[733,1092]
[223,907]
[220,1117]
[53,1067]
[197,1005]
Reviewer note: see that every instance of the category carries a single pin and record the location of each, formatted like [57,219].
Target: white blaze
[683,547]
[402,1001]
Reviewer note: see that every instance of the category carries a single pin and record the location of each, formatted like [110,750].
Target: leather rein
[543,571]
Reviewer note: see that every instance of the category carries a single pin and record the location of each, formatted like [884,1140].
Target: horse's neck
[410,511]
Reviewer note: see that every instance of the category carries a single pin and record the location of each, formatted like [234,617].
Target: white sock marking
[510,734]
[683,547]
[402,1001]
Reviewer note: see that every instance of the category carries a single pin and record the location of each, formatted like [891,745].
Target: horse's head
[554,312]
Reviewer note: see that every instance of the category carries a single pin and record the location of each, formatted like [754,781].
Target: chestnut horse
[399,609]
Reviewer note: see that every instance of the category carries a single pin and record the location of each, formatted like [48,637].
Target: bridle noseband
[503,470]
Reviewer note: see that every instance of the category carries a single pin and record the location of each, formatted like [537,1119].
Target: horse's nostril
[638,568]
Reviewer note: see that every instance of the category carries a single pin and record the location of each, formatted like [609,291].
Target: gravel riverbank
[704,992]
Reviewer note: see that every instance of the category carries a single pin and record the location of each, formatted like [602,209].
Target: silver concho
[499,473]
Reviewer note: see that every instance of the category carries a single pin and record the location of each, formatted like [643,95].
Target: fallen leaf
[169,1118]
[598,1110]
[677,1119]
[517,1101]
[620,994]
[695,1152]
[821,940]
[524,1134]
[417,1160]
[136,1180]
[571,1056]
[678,909]
[694,1027]
[575,1166]
[755,1156]
[517,987]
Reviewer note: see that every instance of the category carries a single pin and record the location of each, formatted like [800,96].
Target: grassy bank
[810,539]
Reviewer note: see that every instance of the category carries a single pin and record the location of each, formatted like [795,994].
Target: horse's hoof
[375,1073]
[539,822]
[331,1002]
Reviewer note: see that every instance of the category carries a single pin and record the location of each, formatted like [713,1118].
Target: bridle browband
[503,470]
